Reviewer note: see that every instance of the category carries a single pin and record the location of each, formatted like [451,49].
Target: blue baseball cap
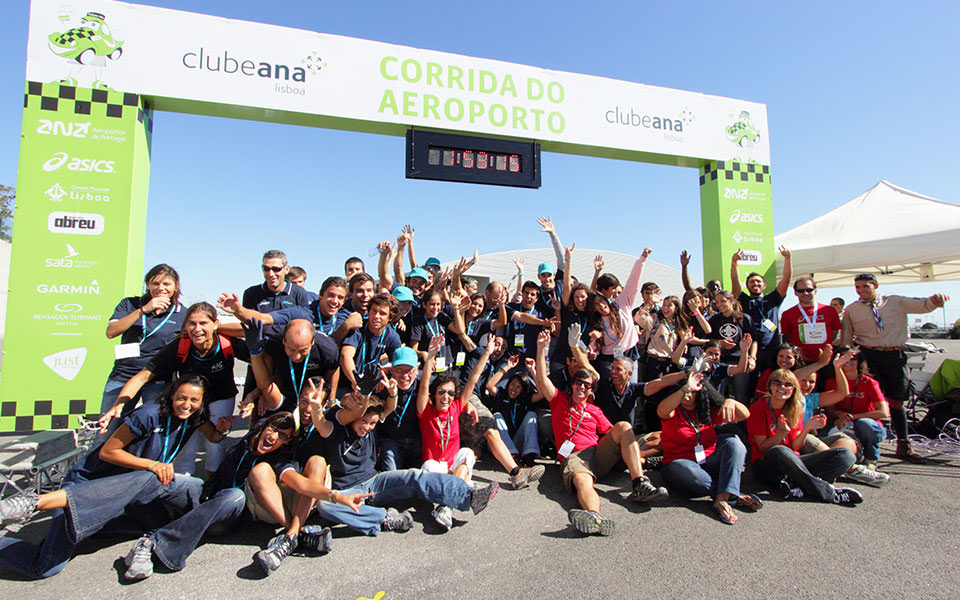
[402,293]
[405,356]
[418,272]
[433,261]
[546,267]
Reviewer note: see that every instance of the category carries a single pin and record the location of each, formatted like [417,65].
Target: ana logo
[56,193]
[67,289]
[736,193]
[77,130]
[743,217]
[66,364]
[84,165]
[75,223]
[65,307]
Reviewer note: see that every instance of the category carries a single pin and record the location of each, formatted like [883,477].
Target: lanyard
[293,380]
[693,423]
[183,432]
[143,324]
[470,327]
[810,322]
[444,440]
[606,332]
[773,418]
[583,412]
[363,349]
[405,406]
[357,443]
[212,354]
[876,313]
[435,330]
[333,321]
[239,465]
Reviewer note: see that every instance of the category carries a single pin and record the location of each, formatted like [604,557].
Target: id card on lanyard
[567,446]
[812,332]
[132,350]
[698,452]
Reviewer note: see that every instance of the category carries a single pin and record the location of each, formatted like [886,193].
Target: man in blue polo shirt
[275,292]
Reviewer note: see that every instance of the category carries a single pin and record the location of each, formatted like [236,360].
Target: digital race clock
[449,157]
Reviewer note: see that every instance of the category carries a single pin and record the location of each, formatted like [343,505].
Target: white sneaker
[139,560]
[443,515]
[862,474]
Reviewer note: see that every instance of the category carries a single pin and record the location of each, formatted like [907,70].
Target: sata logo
[76,130]
[743,217]
[83,165]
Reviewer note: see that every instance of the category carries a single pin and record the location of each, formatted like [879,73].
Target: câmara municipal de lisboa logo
[87,46]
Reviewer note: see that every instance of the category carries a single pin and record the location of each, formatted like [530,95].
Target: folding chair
[38,461]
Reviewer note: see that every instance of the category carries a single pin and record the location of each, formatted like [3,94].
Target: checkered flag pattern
[734,171]
[47,414]
[59,97]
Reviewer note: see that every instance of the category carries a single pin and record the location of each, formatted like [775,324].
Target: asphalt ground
[901,542]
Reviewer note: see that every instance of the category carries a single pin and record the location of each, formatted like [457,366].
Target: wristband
[155,463]
[332,497]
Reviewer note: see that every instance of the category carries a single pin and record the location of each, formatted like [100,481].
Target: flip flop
[725,513]
[750,502]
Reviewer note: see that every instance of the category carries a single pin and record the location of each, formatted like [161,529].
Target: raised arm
[476,372]
[843,386]
[423,392]
[544,384]
[409,232]
[387,255]
[667,406]
[157,304]
[684,274]
[546,226]
[495,377]
[597,269]
[784,284]
[735,287]
[398,263]
[519,263]
[632,287]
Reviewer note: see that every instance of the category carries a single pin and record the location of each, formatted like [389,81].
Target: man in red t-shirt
[810,326]
[589,445]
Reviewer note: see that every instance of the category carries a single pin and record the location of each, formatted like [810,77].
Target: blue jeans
[393,486]
[870,432]
[177,540]
[526,436]
[90,506]
[719,473]
[399,454]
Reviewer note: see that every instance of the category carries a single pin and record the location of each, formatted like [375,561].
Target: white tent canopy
[898,235]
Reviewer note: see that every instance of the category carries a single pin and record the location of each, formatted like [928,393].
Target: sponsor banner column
[736,212]
[77,248]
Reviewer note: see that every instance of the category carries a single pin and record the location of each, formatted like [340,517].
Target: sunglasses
[446,392]
[283,436]
[777,382]
[805,291]
[583,382]
[274,269]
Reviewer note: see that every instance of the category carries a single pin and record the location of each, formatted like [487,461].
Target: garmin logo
[67,289]
[66,364]
[75,222]
[744,217]
[214,62]
[83,165]
[75,130]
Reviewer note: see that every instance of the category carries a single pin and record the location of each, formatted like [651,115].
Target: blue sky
[856,92]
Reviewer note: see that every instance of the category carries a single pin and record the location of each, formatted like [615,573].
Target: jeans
[525,437]
[392,486]
[719,473]
[813,473]
[90,506]
[870,432]
[176,541]
[399,454]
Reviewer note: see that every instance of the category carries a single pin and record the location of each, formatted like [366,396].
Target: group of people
[380,390]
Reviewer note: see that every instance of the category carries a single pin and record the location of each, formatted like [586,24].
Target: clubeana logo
[217,62]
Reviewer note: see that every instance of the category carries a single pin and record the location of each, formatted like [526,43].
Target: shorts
[261,514]
[596,460]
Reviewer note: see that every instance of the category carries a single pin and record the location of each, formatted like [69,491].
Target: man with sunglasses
[275,292]
[878,324]
[810,326]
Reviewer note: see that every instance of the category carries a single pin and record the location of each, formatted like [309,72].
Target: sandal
[725,513]
[750,502]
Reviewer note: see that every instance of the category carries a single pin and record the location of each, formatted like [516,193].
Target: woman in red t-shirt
[777,432]
[696,463]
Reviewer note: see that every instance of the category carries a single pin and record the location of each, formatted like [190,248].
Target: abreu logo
[205,60]
[744,217]
[87,165]
[75,222]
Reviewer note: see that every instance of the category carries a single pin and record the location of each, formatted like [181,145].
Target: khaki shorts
[595,460]
[261,514]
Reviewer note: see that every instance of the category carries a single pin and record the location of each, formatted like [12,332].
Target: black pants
[813,473]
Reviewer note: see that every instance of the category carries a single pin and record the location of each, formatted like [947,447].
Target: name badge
[813,334]
[699,454]
[565,449]
[617,352]
[441,363]
[769,325]
[126,351]
[461,358]
[518,340]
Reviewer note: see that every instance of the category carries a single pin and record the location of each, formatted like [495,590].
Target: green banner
[78,248]
[736,212]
